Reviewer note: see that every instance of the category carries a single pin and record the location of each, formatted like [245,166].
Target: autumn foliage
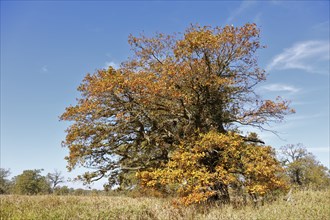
[169,117]
[206,169]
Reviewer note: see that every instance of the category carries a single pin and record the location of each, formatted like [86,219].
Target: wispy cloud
[44,69]
[277,87]
[319,149]
[295,118]
[257,18]
[111,63]
[310,56]
[96,29]
[323,26]
[298,103]
[275,2]
[240,10]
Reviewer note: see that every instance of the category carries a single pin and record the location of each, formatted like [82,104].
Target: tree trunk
[222,194]
[297,173]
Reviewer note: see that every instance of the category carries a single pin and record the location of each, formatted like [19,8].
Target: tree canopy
[167,98]
[31,182]
[4,182]
[55,178]
[302,167]
[206,168]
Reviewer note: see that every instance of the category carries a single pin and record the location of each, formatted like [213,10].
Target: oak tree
[55,178]
[4,181]
[302,167]
[31,182]
[158,105]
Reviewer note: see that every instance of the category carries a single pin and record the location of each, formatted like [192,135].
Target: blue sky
[48,47]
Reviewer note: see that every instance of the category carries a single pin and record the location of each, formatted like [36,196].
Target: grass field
[304,205]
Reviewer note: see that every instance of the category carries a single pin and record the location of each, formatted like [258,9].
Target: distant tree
[64,190]
[4,182]
[55,178]
[80,192]
[302,167]
[95,192]
[31,182]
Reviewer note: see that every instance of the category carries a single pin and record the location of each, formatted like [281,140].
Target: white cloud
[276,87]
[44,69]
[257,18]
[310,56]
[111,63]
[319,149]
[276,2]
[295,118]
[238,11]
[323,26]
[297,103]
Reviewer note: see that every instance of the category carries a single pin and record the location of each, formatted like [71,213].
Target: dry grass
[304,205]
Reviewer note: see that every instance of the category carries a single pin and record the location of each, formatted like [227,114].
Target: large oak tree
[136,118]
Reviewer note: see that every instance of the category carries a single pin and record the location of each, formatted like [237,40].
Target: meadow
[305,204]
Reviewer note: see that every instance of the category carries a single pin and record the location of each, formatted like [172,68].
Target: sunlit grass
[303,205]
